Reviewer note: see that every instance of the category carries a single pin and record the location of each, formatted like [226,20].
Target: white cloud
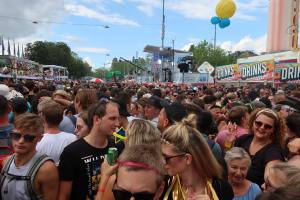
[187,47]
[89,61]
[204,9]
[17,17]
[147,7]
[93,50]
[72,38]
[83,11]
[118,1]
[258,45]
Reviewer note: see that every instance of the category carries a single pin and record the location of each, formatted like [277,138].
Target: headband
[267,111]
[138,165]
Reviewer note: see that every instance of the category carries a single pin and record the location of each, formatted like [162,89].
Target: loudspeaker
[183,67]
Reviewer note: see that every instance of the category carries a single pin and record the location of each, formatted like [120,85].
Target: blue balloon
[215,20]
[224,23]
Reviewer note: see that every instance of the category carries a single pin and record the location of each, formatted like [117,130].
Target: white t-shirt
[53,144]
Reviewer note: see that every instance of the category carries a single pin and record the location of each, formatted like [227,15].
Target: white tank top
[16,189]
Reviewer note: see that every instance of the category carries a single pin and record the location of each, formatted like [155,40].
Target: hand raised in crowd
[106,184]
[107,170]
[232,132]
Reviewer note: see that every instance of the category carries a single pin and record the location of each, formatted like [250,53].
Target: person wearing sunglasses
[139,176]
[264,143]
[28,174]
[195,173]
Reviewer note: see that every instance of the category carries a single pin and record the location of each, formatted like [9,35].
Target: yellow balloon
[225,9]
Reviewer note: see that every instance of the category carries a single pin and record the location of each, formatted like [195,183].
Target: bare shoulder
[47,171]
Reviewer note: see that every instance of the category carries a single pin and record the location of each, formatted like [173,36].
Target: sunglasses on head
[17,136]
[265,126]
[126,195]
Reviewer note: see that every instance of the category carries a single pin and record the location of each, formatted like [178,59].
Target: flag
[2,43]
[18,53]
[120,135]
[14,48]
[8,47]
[22,51]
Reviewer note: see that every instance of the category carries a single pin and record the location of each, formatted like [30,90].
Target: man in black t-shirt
[80,162]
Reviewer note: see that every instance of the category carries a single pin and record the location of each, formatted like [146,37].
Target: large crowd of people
[173,141]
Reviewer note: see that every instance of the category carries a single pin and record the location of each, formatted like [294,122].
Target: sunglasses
[168,158]
[265,126]
[126,195]
[17,136]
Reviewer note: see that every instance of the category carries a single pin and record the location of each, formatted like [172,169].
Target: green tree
[205,51]
[129,69]
[100,73]
[50,53]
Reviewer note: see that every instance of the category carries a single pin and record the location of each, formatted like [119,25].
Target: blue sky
[133,24]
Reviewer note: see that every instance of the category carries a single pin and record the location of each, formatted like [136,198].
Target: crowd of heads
[170,129]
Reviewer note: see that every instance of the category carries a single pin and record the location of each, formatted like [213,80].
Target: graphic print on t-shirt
[92,165]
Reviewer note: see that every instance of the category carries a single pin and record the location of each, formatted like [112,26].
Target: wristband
[101,190]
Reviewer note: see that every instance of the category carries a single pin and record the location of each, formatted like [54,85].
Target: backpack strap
[32,173]
[4,171]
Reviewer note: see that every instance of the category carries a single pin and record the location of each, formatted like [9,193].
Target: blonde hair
[141,131]
[288,172]
[183,137]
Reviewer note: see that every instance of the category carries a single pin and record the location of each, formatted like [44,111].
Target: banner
[287,72]
[257,71]
[227,73]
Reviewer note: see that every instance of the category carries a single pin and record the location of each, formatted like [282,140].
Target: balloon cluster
[224,10]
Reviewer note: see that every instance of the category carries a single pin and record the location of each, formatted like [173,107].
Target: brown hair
[86,97]
[236,114]
[97,109]
[30,123]
[184,138]
[52,112]
[84,116]
[279,126]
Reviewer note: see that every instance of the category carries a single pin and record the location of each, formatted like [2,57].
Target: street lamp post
[162,38]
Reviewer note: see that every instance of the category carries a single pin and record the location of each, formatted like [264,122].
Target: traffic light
[183,67]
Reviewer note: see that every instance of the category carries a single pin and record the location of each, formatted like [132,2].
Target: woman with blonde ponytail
[195,172]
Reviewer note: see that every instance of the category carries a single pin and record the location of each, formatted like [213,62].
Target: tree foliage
[100,73]
[50,53]
[205,51]
[126,68]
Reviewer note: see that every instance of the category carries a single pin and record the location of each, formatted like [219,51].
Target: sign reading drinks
[257,71]
[227,73]
[287,72]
